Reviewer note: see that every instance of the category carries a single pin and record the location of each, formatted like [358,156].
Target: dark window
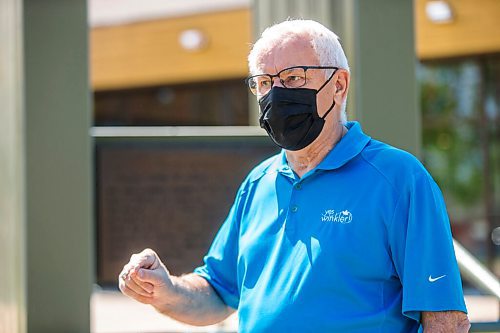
[221,103]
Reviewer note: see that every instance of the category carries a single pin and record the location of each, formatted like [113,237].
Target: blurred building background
[144,142]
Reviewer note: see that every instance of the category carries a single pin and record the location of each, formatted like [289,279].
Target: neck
[304,160]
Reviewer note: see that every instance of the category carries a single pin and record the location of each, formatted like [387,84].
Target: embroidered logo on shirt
[330,215]
[431,279]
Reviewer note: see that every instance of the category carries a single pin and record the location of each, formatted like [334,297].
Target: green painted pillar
[59,223]
[12,161]
[378,38]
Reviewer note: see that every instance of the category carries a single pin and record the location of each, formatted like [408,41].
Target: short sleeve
[422,250]
[219,267]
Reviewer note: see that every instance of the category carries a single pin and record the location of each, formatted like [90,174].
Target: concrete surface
[112,312]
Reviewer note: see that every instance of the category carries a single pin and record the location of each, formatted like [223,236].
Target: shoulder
[267,166]
[397,166]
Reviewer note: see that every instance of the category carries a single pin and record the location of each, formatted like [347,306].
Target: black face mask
[290,116]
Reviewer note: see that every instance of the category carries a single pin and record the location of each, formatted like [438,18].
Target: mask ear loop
[327,112]
[324,84]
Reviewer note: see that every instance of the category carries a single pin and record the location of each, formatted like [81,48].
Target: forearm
[445,322]
[195,302]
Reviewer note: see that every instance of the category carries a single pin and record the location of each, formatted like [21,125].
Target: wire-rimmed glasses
[291,77]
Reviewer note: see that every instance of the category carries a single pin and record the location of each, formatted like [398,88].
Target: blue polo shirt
[360,244]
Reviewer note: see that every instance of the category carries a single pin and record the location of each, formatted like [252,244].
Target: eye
[293,78]
[294,81]
[265,83]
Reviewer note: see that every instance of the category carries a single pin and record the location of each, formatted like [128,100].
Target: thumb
[153,276]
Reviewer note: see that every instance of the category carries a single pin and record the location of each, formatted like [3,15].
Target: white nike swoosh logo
[431,279]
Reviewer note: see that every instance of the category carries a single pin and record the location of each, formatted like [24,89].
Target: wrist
[170,297]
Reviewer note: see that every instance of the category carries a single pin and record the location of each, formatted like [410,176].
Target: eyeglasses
[292,77]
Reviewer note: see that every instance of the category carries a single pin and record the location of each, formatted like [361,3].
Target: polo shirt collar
[345,150]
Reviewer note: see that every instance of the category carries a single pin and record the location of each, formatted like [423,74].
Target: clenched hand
[146,279]
[189,298]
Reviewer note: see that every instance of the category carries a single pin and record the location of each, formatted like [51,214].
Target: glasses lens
[259,84]
[293,77]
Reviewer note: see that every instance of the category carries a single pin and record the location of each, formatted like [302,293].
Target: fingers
[146,286]
[132,294]
[143,274]
[154,277]
[126,280]
[146,259]
[131,283]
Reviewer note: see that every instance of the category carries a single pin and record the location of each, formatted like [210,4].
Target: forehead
[287,52]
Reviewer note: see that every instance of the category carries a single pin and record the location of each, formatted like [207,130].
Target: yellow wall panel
[149,53]
[474,30]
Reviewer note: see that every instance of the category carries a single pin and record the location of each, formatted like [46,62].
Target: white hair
[324,42]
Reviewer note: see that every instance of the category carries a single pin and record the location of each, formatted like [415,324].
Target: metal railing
[475,272]
[175,131]
[493,327]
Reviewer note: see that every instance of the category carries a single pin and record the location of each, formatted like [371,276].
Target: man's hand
[146,279]
[189,298]
[445,322]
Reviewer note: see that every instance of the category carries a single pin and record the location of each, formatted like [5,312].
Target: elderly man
[337,233]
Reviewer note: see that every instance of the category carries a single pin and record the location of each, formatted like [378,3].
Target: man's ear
[341,86]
